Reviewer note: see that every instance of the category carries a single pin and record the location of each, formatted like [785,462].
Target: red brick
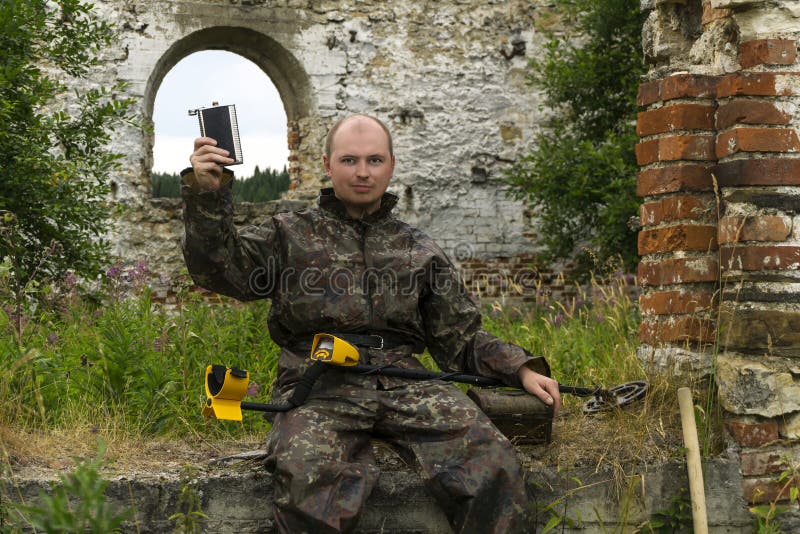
[689,85]
[675,302]
[647,152]
[741,111]
[683,328]
[682,116]
[689,147]
[764,490]
[674,208]
[680,147]
[710,14]
[750,84]
[767,51]
[753,434]
[757,140]
[760,258]
[679,237]
[649,92]
[672,179]
[760,462]
[678,271]
[754,228]
[762,171]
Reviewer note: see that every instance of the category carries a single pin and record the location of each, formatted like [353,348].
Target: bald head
[356,121]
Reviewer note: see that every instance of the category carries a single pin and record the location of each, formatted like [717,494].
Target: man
[349,266]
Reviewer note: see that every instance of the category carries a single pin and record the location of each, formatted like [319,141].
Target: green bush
[54,160]
[581,178]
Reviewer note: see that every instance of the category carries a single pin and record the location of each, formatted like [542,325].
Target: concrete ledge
[237,498]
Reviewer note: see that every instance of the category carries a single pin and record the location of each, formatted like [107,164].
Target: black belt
[383,341]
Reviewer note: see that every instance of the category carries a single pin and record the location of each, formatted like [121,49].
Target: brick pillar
[751,180]
[759,236]
[678,242]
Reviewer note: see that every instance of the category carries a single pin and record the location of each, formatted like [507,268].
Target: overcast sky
[217,76]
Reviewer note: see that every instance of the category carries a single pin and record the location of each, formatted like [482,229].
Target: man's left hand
[542,386]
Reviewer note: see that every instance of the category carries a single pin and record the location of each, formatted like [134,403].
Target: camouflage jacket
[327,272]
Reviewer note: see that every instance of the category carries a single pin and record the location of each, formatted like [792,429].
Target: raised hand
[207,161]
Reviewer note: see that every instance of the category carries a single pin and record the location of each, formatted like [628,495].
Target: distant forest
[262,186]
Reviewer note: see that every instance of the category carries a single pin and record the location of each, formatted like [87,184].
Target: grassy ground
[130,371]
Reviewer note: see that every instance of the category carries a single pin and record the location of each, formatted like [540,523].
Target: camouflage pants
[320,455]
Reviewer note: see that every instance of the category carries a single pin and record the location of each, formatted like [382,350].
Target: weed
[767,515]
[189,517]
[676,518]
[556,511]
[77,503]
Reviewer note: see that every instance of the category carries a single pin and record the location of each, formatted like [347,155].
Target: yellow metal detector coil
[334,350]
[225,389]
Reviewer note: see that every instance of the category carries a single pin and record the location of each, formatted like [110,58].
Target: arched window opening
[200,80]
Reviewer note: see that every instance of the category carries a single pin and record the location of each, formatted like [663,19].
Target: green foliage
[165,185]
[77,503]
[676,518]
[556,513]
[581,178]
[585,340]
[54,158]
[137,366]
[129,362]
[188,518]
[263,186]
[768,514]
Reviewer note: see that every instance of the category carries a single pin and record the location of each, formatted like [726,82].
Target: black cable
[306,383]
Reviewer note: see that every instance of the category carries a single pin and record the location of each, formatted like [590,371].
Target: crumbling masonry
[720,243]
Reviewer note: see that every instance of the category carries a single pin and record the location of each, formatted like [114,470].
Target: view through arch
[199,80]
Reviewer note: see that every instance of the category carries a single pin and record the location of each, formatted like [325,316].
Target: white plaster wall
[441,74]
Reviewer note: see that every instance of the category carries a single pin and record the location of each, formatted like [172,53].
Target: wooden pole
[693,464]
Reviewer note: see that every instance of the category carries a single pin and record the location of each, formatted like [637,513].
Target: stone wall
[238,499]
[448,77]
[720,244]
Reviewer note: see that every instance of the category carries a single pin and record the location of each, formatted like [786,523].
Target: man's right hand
[207,161]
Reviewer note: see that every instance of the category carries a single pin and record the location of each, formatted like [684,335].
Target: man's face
[360,166]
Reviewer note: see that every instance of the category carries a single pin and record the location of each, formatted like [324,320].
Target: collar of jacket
[329,202]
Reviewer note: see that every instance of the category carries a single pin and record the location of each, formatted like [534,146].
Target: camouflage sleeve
[455,336]
[239,263]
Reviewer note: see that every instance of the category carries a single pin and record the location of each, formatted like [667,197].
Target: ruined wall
[238,498]
[448,77]
[720,245]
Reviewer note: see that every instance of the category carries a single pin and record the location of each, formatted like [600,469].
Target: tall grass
[128,364]
[590,337]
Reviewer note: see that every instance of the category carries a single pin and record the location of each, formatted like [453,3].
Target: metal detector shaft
[261,407]
[475,380]
[420,374]
[416,374]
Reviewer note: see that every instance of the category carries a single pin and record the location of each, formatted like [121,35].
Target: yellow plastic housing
[227,402]
[336,351]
